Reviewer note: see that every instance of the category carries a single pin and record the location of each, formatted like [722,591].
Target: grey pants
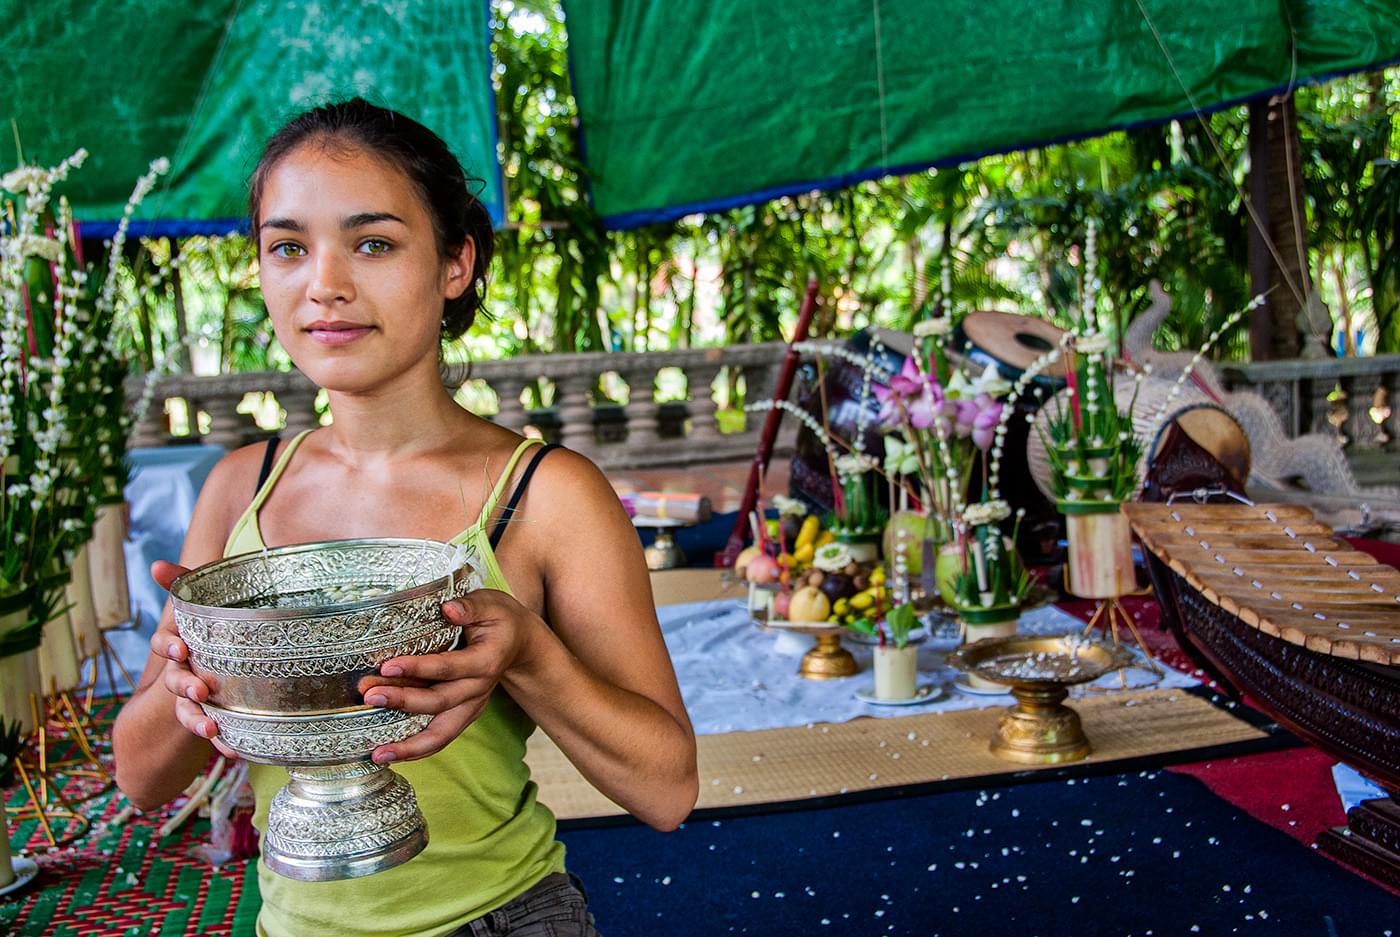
[553,907]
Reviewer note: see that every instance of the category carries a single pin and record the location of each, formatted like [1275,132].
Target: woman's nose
[331,281]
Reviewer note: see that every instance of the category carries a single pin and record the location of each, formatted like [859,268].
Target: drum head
[1215,431]
[1012,342]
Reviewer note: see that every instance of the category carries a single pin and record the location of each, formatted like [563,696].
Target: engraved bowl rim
[225,613]
[274,719]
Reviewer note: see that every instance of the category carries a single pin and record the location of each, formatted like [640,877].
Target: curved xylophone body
[1276,607]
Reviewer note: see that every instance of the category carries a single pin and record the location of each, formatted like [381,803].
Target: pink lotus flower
[985,424]
[928,407]
[905,387]
[966,417]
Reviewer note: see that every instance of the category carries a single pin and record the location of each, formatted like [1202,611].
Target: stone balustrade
[1355,400]
[639,433]
[1352,398]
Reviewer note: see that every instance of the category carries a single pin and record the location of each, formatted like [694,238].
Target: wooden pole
[764,452]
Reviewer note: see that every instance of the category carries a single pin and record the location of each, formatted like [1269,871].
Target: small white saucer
[25,870]
[962,685]
[926,693]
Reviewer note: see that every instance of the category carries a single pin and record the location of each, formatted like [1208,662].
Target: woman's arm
[597,678]
[161,738]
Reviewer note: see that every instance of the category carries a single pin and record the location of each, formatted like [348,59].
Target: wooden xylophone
[1278,570]
[1276,607]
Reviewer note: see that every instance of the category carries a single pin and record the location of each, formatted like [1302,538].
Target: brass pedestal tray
[1040,729]
[828,660]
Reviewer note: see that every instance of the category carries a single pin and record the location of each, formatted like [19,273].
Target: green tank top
[489,839]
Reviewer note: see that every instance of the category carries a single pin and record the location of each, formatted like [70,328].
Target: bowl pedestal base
[342,821]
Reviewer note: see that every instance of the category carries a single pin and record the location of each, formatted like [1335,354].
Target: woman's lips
[338,334]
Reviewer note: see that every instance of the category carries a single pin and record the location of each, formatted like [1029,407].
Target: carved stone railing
[1355,399]
[642,432]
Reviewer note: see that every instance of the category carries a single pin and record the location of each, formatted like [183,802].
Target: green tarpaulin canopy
[206,82]
[689,106]
[685,105]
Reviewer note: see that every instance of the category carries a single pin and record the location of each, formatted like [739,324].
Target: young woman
[372,252]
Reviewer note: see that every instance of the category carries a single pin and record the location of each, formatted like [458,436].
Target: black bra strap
[269,459]
[499,530]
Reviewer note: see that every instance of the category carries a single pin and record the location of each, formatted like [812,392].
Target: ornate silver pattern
[282,613]
[321,830]
[286,638]
[314,740]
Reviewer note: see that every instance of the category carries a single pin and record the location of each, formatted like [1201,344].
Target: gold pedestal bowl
[287,639]
[828,660]
[1040,729]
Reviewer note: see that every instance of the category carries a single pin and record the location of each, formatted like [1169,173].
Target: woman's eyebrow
[363,218]
[287,224]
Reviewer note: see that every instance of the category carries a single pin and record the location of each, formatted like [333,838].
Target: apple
[763,569]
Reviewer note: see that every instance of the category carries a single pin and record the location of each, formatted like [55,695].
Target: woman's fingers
[438,698]
[442,730]
[193,718]
[166,573]
[223,749]
[477,661]
[167,643]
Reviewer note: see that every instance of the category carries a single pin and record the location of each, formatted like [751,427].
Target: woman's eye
[287,249]
[374,246]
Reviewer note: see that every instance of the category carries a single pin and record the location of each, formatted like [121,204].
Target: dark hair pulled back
[422,156]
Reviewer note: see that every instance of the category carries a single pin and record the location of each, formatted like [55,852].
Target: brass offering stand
[828,660]
[663,553]
[1040,729]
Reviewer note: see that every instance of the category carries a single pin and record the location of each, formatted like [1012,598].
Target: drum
[1011,342]
[1207,424]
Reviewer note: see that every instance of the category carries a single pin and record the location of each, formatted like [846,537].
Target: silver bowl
[285,639]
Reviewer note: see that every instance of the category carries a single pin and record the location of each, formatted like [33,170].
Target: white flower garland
[1214,337]
[937,327]
[986,512]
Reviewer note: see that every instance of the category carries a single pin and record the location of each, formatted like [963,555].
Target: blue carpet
[1140,854]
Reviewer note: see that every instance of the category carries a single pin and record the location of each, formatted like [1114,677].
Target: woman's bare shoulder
[572,496]
[233,481]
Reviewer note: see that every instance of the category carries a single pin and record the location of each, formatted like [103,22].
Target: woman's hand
[456,685]
[176,675]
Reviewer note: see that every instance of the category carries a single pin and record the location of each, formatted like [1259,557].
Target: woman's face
[350,269]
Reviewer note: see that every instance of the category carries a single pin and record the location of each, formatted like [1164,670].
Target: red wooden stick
[764,452]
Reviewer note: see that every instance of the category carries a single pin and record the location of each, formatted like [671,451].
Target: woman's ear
[457,271]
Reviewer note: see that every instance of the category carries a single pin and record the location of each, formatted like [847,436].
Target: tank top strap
[494,498]
[247,524]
